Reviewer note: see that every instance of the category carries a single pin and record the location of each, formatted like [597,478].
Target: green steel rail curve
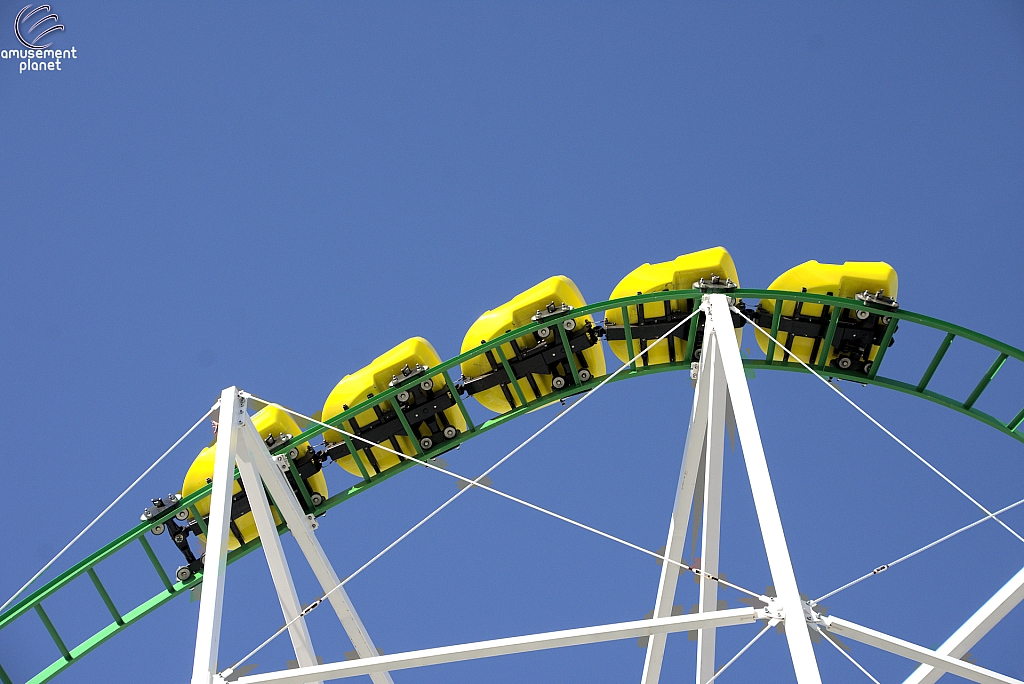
[170,589]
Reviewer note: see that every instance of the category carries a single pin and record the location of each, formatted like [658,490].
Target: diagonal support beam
[301,527]
[977,626]
[231,416]
[520,644]
[693,454]
[276,560]
[912,651]
[779,561]
[713,462]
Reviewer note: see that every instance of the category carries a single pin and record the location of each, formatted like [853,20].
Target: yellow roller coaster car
[539,361]
[650,321]
[428,406]
[803,326]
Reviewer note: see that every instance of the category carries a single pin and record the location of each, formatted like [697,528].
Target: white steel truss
[523,644]
[238,443]
[721,383]
[977,626]
[721,399]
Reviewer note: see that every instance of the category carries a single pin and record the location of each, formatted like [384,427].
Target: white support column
[977,626]
[231,416]
[714,454]
[779,561]
[496,647]
[693,453]
[302,529]
[915,652]
[276,560]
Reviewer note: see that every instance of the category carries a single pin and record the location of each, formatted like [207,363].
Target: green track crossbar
[356,456]
[53,632]
[630,350]
[156,565]
[826,344]
[570,357]
[138,534]
[987,378]
[1017,420]
[691,337]
[303,489]
[408,429]
[512,379]
[776,320]
[458,402]
[883,347]
[936,360]
[194,510]
[105,596]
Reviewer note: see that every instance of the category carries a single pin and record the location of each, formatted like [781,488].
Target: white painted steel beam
[693,453]
[302,643]
[714,454]
[302,529]
[520,644]
[912,651]
[977,626]
[779,562]
[231,416]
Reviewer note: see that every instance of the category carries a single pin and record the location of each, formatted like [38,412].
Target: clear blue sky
[270,196]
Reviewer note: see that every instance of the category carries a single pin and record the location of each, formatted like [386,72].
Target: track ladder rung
[776,319]
[458,401]
[512,379]
[569,356]
[156,564]
[936,360]
[629,338]
[4,678]
[987,378]
[830,334]
[105,596]
[53,632]
[1017,420]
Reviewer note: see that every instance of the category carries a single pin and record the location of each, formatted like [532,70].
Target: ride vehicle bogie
[540,362]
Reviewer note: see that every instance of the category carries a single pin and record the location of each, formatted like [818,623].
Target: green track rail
[1003,353]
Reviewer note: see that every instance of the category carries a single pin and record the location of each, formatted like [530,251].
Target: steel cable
[743,650]
[880,426]
[112,504]
[882,568]
[826,637]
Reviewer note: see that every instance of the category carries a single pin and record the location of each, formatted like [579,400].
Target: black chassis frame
[422,409]
[852,340]
[648,328]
